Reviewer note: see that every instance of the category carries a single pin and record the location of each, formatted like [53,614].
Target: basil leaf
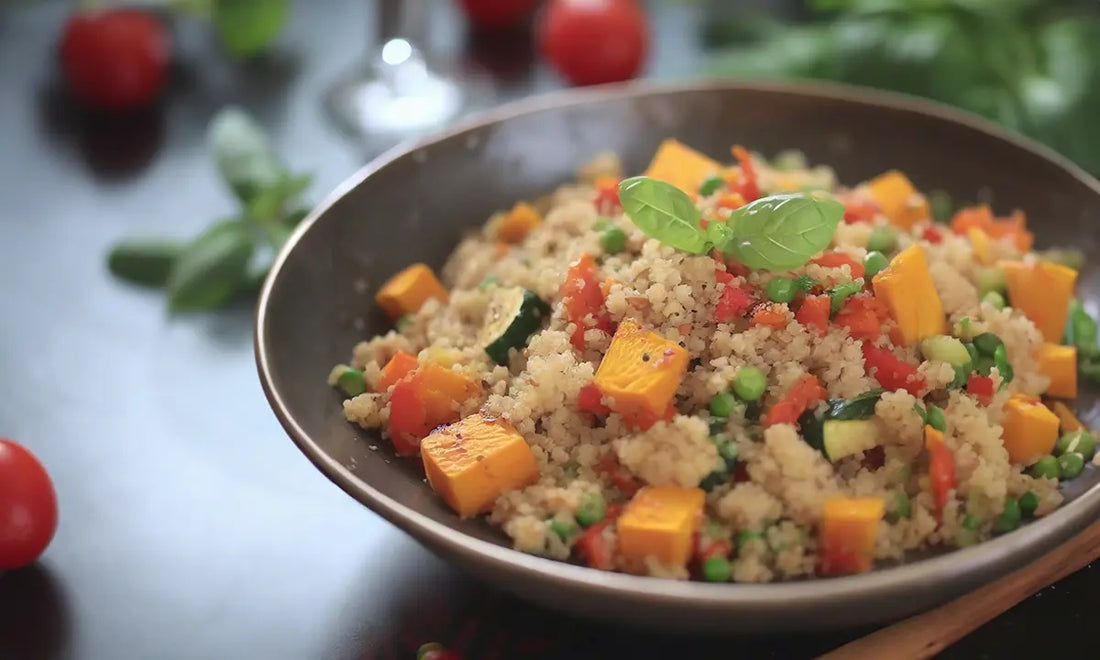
[212,268]
[144,262]
[719,233]
[664,212]
[247,27]
[782,232]
[243,154]
[275,202]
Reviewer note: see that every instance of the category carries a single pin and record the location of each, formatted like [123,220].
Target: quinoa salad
[736,372]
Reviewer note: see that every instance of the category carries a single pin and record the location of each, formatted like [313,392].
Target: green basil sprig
[232,256]
[776,233]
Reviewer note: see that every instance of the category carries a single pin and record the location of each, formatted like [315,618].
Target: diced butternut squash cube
[1059,363]
[641,372]
[1066,418]
[444,390]
[681,166]
[406,291]
[979,241]
[1042,291]
[517,223]
[849,527]
[660,522]
[898,199]
[905,287]
[472,462]
[397,368]
[424,399]
[1030,429]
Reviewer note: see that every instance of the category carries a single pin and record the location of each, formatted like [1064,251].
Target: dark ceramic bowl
[413,203]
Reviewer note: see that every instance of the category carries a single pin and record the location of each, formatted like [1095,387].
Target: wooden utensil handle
[925,635]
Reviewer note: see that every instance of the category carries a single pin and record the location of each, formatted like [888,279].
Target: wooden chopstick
[925,635]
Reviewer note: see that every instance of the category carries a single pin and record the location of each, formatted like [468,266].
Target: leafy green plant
[775,233]
[232,256]
[1032,65]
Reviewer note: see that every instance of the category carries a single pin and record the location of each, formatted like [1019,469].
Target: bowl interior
[415,205]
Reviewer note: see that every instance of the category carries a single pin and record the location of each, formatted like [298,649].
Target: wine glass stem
[400,19]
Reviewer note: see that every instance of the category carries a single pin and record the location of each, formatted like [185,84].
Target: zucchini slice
[513,316]
[847,437]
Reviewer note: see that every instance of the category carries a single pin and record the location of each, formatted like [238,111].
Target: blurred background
[154,155]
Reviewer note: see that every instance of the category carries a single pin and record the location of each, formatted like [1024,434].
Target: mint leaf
[664,212]
[247,27]
[144,262]
[243,154]
[212,268]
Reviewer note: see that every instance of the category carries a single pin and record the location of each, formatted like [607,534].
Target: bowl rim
[991,558]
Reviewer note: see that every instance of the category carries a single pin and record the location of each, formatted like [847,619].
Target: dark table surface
[191,527]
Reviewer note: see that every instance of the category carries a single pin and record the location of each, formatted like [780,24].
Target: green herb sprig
[232,256]
[776,233]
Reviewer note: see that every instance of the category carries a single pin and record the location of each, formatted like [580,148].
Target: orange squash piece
[661,522]
[517,223]
[681,166]
[641,372]
[472,462]
[406,291]
[397,368]
[1059,363]
[1066,418]
[980,243]
[1030,429]
[849,527]
[906,288]
[424,399]
[1042,291]
[899,200]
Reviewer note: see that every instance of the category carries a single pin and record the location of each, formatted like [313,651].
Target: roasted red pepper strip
[746,186]
[891,373]
[807,391]
[583,299]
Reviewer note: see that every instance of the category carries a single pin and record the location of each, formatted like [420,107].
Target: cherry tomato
[115,59]
[28,506]
[590,42]
[497,14]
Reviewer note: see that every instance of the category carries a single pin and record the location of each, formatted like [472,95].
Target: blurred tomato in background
[589,42]
[492,15]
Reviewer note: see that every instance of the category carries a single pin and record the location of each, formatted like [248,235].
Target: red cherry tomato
[28,506]
[115,59]
[497,14]
[590,42]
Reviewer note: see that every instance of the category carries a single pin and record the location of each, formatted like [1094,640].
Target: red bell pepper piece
[589,400]
[619,476]
[408,416]
[594,547]
[981,387]
[771,315]
[607,195]
[807,391]
[859,209]
[932,234]
[891,373]
[746,186]
[814,313]
[941,468]
[733,303]
[838,259]
[583,299]
[860,314]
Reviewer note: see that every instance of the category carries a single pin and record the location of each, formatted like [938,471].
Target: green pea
[405,321]
[749,383]
[1072,465]
[613,240]
[994,300]
[991,278]
[883,238]
[727,449]
[591,510]
[968,534]
[971,522]
[1009,518]
[716,569]
[710,185]
[1046,467]
[1081,442]
[747,536]
[564,526]
[987,343]
[1029,502]
[781,289]
[874,263]
[901,508]
[723,404]
[350,381]
[936,419]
